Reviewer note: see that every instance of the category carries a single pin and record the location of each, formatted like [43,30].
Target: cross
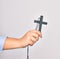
[40,22]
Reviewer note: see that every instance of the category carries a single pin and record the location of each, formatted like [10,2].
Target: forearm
[12,43]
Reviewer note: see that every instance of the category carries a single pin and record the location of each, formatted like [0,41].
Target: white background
[17,17]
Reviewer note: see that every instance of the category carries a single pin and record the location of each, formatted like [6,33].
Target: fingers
[34,36]
[33,40]
[36,32]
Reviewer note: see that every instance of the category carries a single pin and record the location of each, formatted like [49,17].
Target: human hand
[30,38]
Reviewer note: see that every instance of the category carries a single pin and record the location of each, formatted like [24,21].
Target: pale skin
[29,39]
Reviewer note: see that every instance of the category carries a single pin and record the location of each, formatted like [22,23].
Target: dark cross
[40,22]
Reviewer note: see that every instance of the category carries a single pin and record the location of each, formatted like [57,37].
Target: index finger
[38,32]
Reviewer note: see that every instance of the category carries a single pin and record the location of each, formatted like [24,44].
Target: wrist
[22,43]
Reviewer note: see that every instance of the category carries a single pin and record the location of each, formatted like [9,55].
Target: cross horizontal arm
[44,23]
[37,21]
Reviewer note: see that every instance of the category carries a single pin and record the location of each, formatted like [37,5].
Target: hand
[30,38]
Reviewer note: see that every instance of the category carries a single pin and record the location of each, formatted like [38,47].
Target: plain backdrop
[17,17]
